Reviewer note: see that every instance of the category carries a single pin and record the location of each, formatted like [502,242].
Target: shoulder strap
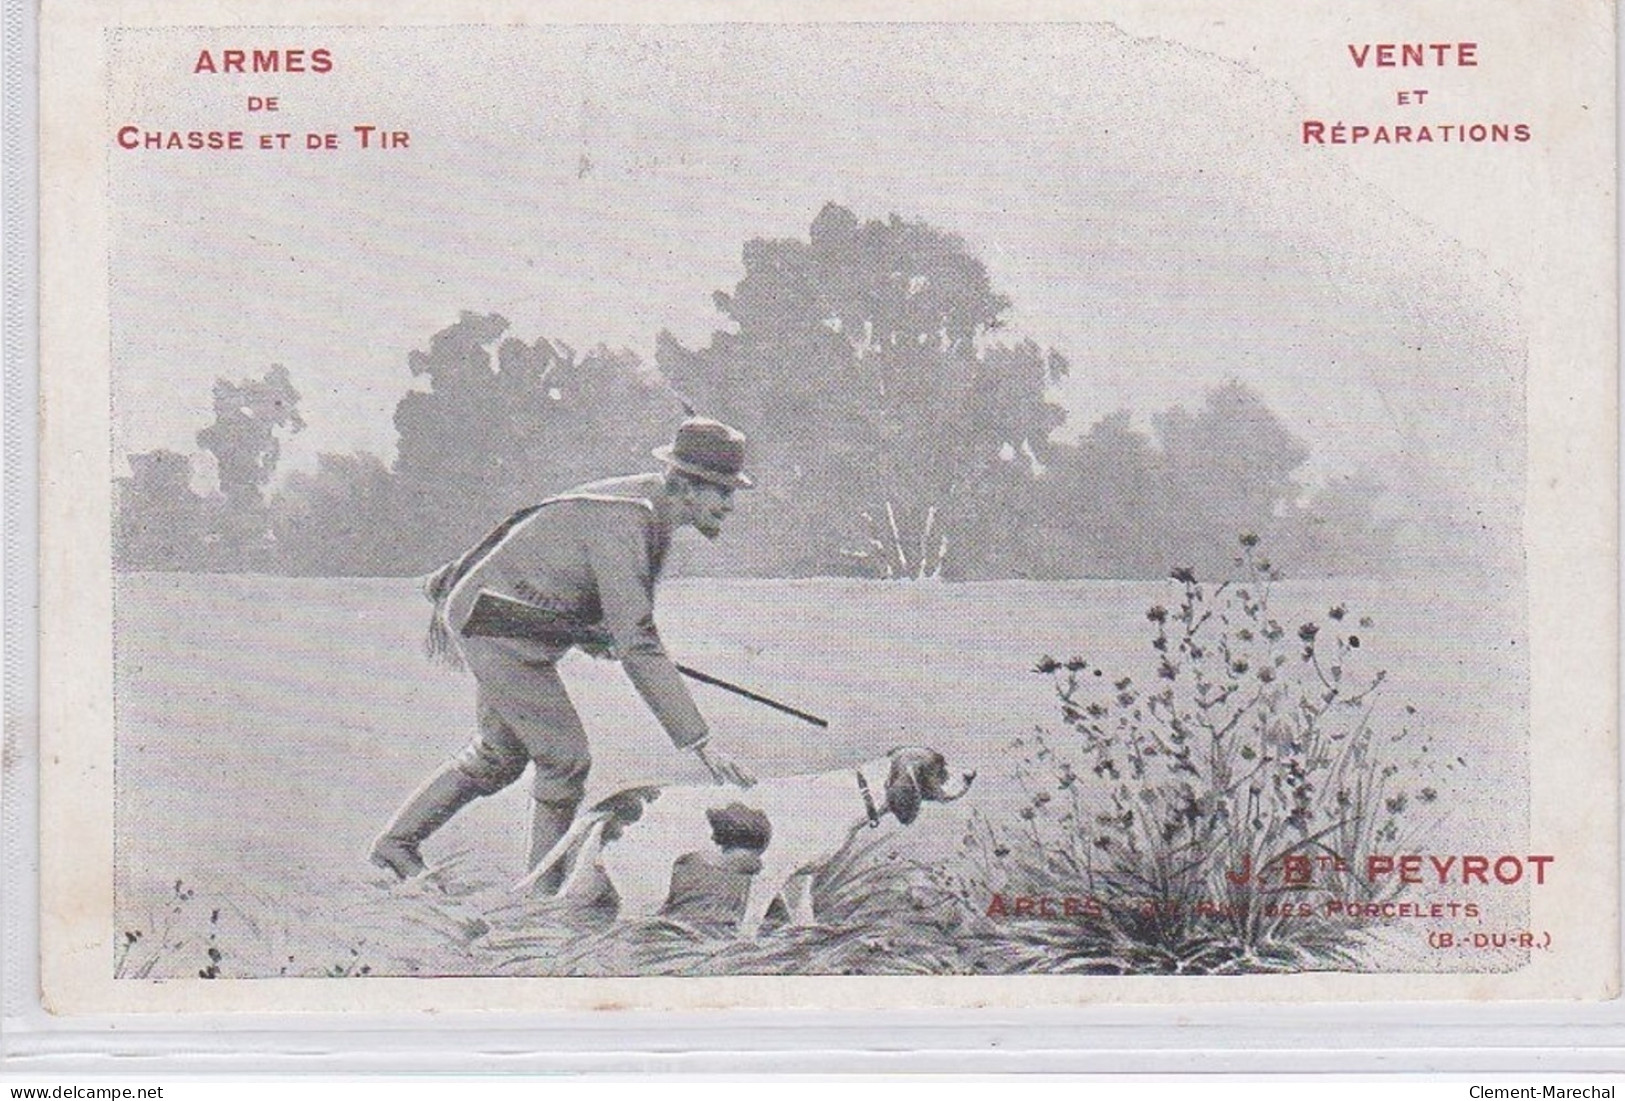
[439,584]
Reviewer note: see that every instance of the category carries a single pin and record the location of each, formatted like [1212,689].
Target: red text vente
[1414,55]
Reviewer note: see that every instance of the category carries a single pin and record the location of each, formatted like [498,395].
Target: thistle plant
[1246,782]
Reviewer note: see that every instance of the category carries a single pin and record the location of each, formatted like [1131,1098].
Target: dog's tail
[574,838]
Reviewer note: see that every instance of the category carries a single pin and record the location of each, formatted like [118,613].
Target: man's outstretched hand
[724,770]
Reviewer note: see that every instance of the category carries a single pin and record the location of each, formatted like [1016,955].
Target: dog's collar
[868,801]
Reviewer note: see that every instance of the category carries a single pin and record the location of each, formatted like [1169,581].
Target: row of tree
[892,433]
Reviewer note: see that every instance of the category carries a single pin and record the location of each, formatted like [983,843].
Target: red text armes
[319,60]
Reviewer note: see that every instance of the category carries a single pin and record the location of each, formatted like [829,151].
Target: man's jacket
[588,559]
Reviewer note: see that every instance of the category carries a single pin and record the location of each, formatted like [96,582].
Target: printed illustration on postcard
[1038,503]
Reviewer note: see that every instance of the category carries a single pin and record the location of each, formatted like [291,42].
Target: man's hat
[709,450]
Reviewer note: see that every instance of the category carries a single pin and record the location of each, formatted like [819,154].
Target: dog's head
[919,775]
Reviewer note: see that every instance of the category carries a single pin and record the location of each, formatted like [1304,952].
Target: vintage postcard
[563,506]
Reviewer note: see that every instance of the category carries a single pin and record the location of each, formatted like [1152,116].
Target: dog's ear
[903,790]
[933,776]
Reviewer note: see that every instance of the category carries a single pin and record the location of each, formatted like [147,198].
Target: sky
[1145,204]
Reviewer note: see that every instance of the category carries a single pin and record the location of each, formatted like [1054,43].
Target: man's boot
[549,822]
[430,807]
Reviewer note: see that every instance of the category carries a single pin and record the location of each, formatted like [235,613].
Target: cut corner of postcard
[1107,504]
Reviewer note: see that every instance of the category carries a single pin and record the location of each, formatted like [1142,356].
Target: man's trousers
[525,717]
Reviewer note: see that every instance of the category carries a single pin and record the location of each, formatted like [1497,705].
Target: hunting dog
[779,831]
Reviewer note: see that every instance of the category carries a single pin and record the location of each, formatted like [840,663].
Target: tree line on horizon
[893,435]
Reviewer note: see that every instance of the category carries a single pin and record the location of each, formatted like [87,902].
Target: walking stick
[496,616]
[728,686]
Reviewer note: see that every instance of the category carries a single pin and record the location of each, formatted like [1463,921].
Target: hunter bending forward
[578,569]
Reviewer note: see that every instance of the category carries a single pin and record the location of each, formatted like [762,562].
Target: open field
[267,727]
